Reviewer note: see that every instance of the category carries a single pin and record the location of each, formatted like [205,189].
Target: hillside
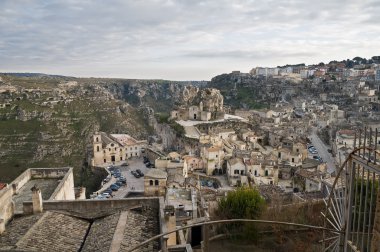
[47,121]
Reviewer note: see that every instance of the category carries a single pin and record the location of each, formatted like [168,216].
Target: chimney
[36,199]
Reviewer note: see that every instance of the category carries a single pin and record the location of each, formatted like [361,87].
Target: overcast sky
[181,40]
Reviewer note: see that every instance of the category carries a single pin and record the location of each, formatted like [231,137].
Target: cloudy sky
[183,39]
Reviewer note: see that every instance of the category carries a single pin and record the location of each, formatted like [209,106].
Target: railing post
[205,239]
[350,186]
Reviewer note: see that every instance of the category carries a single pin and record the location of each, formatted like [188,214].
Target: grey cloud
[100,35]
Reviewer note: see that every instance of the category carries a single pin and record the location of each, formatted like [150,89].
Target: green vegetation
[162,117]
[179,129]
[246,96]
[244,203]
[34,135]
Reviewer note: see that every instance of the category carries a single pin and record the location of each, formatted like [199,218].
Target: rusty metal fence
[353,197]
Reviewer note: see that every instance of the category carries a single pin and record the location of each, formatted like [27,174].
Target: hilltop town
[163,154]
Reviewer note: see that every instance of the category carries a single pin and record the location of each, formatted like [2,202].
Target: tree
[244,203]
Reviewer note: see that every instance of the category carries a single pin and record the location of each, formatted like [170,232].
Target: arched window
[151,182]
[266,172]
[97,148]
[97,139]
[156,182]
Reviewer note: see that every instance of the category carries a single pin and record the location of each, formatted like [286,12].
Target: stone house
[212,159]
[115,148]
[155,182]
[225,133]
[192,163]
[262,169]
[236,172]
[306,181]
[300,148]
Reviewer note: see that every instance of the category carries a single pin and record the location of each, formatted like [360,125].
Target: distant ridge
[36,75]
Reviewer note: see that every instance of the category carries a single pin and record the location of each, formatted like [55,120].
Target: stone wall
[20,181]
[65,189]
[42,173]
[7,206]
[93,206]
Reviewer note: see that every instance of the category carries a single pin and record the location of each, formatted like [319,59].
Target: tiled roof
[55,232]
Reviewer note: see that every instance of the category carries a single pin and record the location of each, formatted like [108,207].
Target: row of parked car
[314,151]
[138,173]
[121,181]
[147,163]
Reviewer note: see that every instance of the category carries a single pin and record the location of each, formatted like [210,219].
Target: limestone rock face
[212,100]
[189,94]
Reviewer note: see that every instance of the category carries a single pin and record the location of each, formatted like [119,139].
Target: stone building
[210,107]
[155,182]
[236,172]
[115,148]
[213,158]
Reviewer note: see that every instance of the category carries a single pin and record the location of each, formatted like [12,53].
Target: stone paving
[47,187]
[55,232]
[16,229]
[100,236]
[141,225]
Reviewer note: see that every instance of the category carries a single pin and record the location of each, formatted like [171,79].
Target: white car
[107,195]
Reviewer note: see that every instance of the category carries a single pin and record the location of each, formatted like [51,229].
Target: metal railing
[351,205]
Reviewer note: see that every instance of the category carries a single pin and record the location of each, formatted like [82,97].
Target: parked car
[124,164]
[114,187]
[138,171]
[119,183]
[134,173]
[148,164]
[107,195]
[123,181]
[108,190]
[100,197]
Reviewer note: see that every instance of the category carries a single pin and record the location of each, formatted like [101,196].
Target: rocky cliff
[48,121]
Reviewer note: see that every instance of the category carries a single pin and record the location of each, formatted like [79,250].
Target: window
[121,149]
[97,148]
[216,155]
[279,155]
[104,151]
[255,172]
[109,149]
[156,182]
[97,139]
[135,148]
[293,160]
[297,150]
[115,148]
[151,182]
[105,161]
[241,172]
[236,171]
[121,158]
[136,154]
[266,172]
[131,148]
